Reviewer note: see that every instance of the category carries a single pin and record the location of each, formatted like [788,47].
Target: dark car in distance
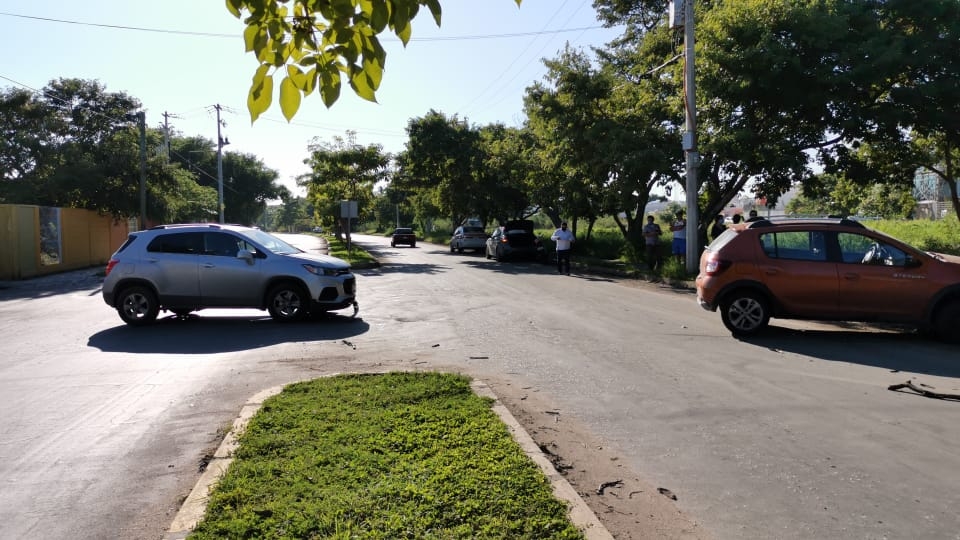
[513,240]
[403,235]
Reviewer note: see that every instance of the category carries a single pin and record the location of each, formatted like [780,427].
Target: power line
[514,61]
[234,36]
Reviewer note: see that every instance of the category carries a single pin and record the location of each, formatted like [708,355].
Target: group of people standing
[651,237]
[678,247]
[651,234]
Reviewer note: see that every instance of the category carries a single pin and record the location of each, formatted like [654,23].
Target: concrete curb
[580,514]
[195,505]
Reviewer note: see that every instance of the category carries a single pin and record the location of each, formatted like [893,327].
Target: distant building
[931,194]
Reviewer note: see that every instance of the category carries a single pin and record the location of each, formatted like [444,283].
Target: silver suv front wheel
[288,302]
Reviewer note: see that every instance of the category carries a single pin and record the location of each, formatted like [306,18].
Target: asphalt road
[793,435]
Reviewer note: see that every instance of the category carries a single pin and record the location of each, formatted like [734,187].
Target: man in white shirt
[679,246]
[564,240]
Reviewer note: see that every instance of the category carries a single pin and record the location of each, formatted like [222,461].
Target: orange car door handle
[771,271]
[851,276]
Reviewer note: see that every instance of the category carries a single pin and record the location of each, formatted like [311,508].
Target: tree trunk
[950,180]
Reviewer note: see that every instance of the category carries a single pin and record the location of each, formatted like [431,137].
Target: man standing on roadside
[564,240]
[651,237]
[679,228]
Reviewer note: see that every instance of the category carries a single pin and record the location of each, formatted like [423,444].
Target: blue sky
[476,65]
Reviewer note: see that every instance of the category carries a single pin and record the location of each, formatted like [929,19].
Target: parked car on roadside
[470,237]
[834,269]
[186,268]
[403,235]
[513,240]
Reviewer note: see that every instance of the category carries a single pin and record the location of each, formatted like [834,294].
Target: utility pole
[166,131]
[690,142]
[220,144]
[142,120]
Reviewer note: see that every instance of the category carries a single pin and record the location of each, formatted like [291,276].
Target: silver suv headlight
[319,270]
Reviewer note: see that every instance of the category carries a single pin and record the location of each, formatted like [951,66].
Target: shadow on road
[87,279]
[902,350]
[406,268]
[197,334]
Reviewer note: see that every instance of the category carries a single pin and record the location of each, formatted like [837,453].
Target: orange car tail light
[715,267]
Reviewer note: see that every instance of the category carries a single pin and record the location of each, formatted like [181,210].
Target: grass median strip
[382,456]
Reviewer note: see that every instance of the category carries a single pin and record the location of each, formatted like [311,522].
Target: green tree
[828,194]
[502,174]
[783,83]
[77,145]
[603,137]
[247,184]
[915,123]
[440,160]
[343,170]
[25,146]
[315,44]
[566,113]
[294,214]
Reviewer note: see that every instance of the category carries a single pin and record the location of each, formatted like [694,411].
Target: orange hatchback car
[821,269]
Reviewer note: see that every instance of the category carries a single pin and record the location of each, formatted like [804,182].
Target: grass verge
[382,456]
[356,256]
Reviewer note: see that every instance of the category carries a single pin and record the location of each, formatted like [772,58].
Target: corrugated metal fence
[40,240]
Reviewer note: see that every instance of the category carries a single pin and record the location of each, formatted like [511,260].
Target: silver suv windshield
[272,243]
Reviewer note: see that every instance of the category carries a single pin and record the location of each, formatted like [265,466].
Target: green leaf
[404,33]
[400,22]
[233,6]
[250,37]
[329,87]
[310,83]
[379,16]
[298,77]
[434,6]
[261,92]
[289,98]
[374,71]
[363,86]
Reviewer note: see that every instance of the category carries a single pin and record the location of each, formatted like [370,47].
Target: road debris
[349,344]
[667,493]
[605,485]
[204,462]
[479,357]
[923,391]
[555,459]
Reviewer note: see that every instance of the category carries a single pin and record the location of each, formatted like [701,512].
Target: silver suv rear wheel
[138,305]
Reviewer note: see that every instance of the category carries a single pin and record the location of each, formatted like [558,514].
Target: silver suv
[185,268]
